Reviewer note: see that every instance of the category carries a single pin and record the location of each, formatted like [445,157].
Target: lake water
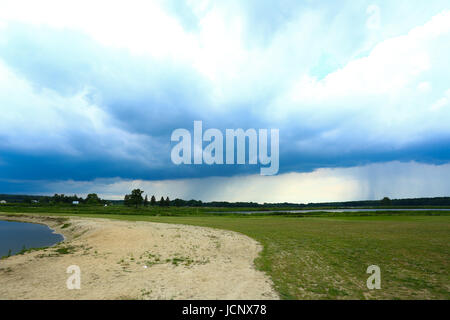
[16,235]
[334,210]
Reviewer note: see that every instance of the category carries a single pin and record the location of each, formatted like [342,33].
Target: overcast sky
[90,92]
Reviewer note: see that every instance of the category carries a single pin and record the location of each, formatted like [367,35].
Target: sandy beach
[136,260]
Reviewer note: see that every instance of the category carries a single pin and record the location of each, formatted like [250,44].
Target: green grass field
[327,257]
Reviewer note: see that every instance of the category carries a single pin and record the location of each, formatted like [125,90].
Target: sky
[90,93]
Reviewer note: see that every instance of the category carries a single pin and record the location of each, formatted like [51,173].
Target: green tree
[146,201]
[126,200]
[162,202]
[92,198]
[153,201]
[178,202]
[136,197]
[386,201]
[167,201]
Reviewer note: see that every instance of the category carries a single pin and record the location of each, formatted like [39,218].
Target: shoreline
[136,260]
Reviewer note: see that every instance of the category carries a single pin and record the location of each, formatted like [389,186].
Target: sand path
[137,260]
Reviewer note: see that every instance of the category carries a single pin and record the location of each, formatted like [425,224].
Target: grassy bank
[327,257]
[202,211]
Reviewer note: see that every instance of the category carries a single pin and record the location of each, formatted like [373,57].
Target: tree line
[91,199]
[135,199]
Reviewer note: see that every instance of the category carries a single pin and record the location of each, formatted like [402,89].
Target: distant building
[34,201]
[2,201]
[75,202]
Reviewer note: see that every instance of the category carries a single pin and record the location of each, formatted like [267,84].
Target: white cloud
[390,66]
[424,87]
[442,102]
[43,120]
[379,96]
[140,26]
